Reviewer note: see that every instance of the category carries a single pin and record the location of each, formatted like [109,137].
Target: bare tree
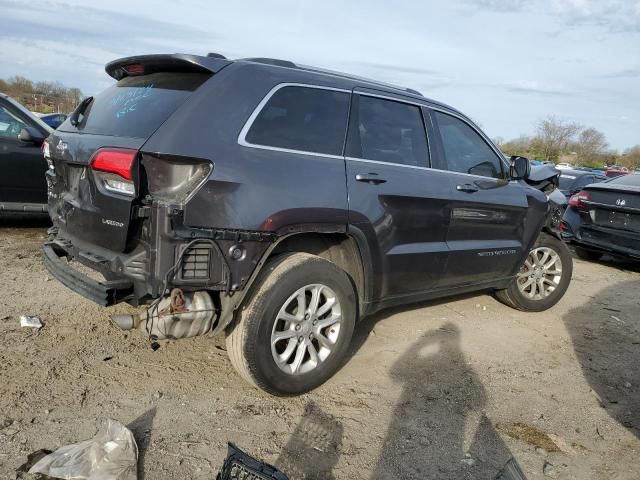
[631,158]
[591,145]
[554,136]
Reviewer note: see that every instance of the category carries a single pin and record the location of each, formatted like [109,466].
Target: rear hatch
[95,178]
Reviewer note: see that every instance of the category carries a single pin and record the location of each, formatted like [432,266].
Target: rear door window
[465,151]
[302,119]
[137,106]
[387,131]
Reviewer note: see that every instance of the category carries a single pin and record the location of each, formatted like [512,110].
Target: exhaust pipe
[180,315]
[124,321]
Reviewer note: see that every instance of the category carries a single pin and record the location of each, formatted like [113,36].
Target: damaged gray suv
[277,204]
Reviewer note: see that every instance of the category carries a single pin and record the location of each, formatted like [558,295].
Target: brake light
[134,69]
[578,200]
[114,160]
[113,166]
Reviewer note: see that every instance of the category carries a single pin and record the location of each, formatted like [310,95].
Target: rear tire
[278,342]
[543,279]
[591,255]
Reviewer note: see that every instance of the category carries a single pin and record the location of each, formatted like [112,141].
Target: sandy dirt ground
[451,389]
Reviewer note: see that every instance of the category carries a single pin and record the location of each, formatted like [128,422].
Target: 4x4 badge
[621,202]
[61,147]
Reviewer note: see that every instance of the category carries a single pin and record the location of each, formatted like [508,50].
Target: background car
[616,171]
[563,165]
[572,181]
[605,217]
[23,188]
[54,120]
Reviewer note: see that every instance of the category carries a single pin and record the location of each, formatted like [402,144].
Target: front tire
[543,279]
[293,332]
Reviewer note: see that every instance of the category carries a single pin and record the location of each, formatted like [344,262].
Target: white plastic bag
[111,455]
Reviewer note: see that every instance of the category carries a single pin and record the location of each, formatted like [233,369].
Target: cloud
[627,73]
[79,25]
[534,87]
[613,16]
[498,5]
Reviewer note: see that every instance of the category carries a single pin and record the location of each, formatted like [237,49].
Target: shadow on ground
[141,429]
[441,404]
[606,338]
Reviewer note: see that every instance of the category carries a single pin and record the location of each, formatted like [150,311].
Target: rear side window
[387,131]
[302,118]
[137,106]
[465,151]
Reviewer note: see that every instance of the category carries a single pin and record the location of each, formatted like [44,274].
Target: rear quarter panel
[250,188]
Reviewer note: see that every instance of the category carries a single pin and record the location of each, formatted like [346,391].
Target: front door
[487,212]
[22,165]
[391,197]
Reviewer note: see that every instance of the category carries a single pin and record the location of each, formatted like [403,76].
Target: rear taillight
[47,154]
[113,166]
[174,179]
[578,200]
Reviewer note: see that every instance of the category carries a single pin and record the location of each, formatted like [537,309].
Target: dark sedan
[605,218]
[23,187]
[572,180]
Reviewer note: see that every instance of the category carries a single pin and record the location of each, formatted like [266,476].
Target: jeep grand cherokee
[278,203]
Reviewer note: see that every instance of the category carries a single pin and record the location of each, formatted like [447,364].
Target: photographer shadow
[440,406]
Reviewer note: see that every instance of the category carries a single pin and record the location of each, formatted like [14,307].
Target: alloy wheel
[541,273]
[306,329]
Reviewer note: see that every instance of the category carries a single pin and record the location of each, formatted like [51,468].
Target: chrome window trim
[420,104]
[242,140]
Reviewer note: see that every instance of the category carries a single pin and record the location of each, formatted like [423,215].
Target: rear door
[487,213]
[392,196]
[86,204]
[22,166]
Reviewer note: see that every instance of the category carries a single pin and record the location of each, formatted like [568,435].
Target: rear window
[567,181]
[304,119]
[137,106]
[632,180]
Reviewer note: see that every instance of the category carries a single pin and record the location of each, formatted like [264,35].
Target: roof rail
[271,61]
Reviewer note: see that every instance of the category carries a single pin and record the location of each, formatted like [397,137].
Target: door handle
[467,187]
[371,178]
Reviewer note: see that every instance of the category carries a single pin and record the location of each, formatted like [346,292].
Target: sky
[505,63]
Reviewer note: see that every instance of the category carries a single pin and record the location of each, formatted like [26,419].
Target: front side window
[10,124]
[387,131]
[302,118]
[465,151]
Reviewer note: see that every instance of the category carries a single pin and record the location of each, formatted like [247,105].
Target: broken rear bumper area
[169,256]
[105,293]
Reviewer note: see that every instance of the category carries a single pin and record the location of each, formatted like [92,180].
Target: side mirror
[30,135]
[520,168]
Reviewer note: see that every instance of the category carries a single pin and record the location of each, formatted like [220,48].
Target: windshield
[137,106]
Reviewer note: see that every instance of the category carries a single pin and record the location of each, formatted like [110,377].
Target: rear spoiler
[176,62]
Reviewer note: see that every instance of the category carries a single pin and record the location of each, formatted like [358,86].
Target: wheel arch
[340,248]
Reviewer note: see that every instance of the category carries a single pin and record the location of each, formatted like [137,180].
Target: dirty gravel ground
[441,390]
